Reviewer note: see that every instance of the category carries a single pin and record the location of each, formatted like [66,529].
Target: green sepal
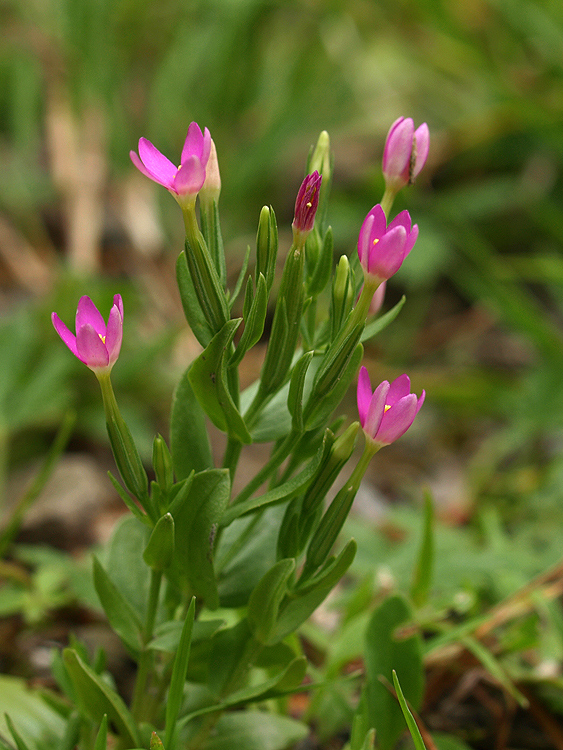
[197,521]
[296,386]
[318,410]
[192,310]
[121,615]
[102,736]
[189,439]
[179,493]
[159,551]
[254,315]
[265,600]
[96,698]
[377,325]
[178,679]
[208,378]
[303,601]
[127,460]
[156,742]
[323,266]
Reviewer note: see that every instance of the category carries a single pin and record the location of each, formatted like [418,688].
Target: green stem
[279,454]
[147,655]
[387,201]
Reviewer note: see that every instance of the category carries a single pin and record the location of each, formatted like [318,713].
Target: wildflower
[96,344]
[389,411]
[183,182]
[405,153]
[306,206]
[382,249]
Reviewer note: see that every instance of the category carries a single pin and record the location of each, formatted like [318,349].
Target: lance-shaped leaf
[196,522]
[208,378]
[121,615]
[296,386]
[189,439]
[265,600]
[321,274]
[159,551]
[377,325]
[96,698]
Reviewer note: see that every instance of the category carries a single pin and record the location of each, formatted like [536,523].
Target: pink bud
[307,203]
[406,151]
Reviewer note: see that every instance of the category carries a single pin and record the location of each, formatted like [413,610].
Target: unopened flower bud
[306,207]
[406,150]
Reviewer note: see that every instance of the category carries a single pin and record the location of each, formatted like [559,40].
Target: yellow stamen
[309,204]
[375,242]
[387,406]
[103,338]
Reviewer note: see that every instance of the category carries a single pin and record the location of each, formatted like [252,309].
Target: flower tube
[389,411]
[95,343]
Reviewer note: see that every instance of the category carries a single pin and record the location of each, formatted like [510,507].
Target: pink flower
[389,411]
[95,344]
[382,249]
[185,181]
[406,150]
[307,203]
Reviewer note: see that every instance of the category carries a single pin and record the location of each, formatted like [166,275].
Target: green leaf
[189,440]
[120,613]
[422,577]
[304,601]
[266,598]
[29,712]
[159,551]
[207,376]
[179,670]
[128,570]
[129,502]
[409,718]
[96,698]
[192,310]
[196,524]
[286,681]
[255,730]
[386,650]
[240,279]
[377,325]
[321,274]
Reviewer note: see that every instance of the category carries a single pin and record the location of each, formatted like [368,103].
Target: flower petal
[403,219]
[411,239]
[400,387]
[88,314]
[422,139]
[160,168]
[68,337]
[91,349]
[193,145]
[114,334]
[190,177]
[397,420]
[386,257]
[376,410]
[398,148]
[363,394]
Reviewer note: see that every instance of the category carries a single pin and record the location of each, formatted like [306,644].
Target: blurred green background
[82,80]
